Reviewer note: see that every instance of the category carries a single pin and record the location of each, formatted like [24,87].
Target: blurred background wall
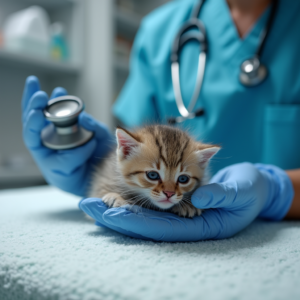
[86,51]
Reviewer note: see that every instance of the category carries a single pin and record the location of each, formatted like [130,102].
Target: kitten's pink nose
[168,194]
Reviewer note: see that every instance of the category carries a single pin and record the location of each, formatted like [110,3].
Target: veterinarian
[248,102]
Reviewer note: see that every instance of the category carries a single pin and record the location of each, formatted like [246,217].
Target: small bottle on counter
[58,46]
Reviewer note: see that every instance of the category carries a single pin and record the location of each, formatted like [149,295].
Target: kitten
[157,167]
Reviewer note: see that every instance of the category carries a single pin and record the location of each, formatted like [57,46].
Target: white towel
[49,250]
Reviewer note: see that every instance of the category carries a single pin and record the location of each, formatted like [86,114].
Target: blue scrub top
[257,124]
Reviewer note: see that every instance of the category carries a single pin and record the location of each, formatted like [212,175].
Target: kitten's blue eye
[183,179]
[153,175]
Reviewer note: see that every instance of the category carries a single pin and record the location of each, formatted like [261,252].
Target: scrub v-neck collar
[232,45]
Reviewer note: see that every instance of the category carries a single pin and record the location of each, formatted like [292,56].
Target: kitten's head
[162,163]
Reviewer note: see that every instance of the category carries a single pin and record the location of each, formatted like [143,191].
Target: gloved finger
[157,226]
[66,162]
[100,224]
[101,131]
[242,172]
[58,91]
[221,175]
[37,101]
[95,208]
[127,233]
[32,85]
[215,195]
[40,99]
[212,224]
[32,128]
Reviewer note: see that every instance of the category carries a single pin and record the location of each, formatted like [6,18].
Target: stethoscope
[252,71]
[63,131]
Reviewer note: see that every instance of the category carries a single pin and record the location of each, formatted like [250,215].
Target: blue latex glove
[235,197]
[67,169]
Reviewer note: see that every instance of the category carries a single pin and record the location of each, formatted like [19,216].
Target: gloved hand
[235,197]
[69,170]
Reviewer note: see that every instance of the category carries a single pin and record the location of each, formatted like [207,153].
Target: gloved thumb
[215,195]
[100,130]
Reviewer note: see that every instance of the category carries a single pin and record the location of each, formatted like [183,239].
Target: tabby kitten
[157,167]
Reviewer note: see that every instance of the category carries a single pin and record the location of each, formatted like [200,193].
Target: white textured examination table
[49,250]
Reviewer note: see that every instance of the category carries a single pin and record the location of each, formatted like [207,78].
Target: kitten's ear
[204,155]
[127,144]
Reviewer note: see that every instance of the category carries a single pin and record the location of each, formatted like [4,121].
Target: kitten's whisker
[138,198]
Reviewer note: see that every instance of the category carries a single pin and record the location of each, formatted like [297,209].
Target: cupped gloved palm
[67,169]
[235,197]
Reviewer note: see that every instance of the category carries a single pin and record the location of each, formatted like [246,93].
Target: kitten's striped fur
[170,152]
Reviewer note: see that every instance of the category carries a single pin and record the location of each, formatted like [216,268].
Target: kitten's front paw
[113,200]
[186,210]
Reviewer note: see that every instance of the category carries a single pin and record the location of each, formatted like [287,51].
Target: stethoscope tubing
[183,36]
[185,112]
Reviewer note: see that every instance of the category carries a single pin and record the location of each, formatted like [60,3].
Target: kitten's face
[162,164]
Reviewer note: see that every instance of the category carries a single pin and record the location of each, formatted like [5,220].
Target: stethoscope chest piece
[64,132]
[252,72]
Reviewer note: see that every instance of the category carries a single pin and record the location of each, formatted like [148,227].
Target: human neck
[246,12]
